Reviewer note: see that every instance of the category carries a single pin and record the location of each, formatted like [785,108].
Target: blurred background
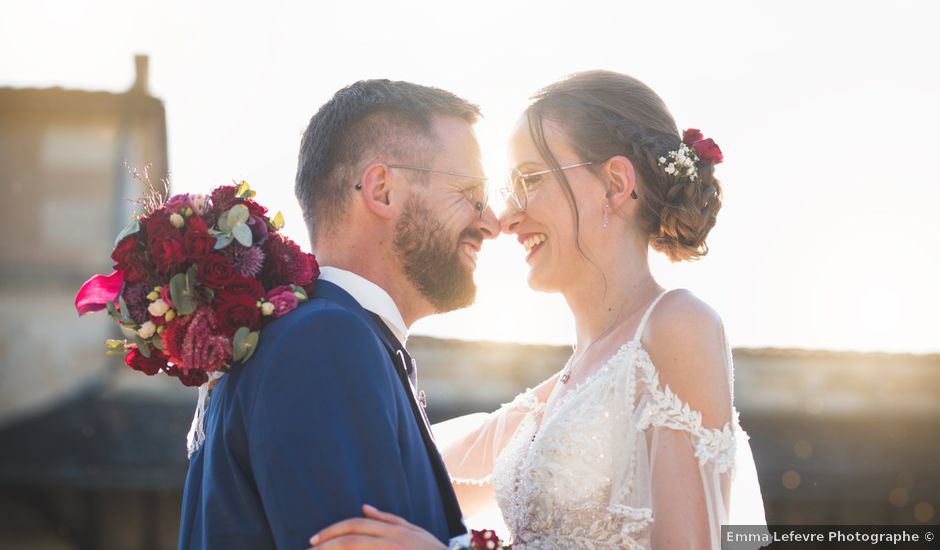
[823,263]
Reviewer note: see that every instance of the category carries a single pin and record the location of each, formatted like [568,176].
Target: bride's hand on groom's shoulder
[376,530]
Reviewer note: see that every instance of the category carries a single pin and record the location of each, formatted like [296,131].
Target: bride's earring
[606,218]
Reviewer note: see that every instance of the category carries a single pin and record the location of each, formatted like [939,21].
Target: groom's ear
[375,190]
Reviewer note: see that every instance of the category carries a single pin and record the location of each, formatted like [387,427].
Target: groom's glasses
[519,184]
[475,193]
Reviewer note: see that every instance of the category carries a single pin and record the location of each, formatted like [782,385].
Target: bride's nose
[509,219]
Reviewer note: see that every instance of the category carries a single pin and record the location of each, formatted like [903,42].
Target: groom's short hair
[364,122]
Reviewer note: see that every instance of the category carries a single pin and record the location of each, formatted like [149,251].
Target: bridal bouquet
[195,280]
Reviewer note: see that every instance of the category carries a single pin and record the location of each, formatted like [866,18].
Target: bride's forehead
[523,148]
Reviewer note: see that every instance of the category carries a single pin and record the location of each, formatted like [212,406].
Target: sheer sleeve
[470,445]
[695,475]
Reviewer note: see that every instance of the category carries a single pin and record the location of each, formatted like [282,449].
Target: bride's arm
[470,444]
[690,424]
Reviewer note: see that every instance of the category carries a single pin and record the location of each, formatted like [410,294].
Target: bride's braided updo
[605,114]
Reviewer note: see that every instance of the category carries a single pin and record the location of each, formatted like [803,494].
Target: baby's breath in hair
[680,163]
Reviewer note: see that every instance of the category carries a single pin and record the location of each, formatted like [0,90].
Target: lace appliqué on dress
[665,409]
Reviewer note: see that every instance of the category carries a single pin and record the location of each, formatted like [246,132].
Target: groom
[324,417]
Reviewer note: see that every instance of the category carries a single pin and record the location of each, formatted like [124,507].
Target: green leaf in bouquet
[142,346]
[129,332]
[244,344]
[181,293]
[237,214]
[125,312]
[242,234]
[300,293]
[221,226]
[223,240]
[112,310]
[238,343]
[157,342]
[131,228]
[252,342]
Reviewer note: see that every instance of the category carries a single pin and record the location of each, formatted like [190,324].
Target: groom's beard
[431,259]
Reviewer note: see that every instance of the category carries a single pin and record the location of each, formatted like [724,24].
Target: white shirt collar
[370,296]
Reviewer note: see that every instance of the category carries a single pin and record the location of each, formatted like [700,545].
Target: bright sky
[827,113]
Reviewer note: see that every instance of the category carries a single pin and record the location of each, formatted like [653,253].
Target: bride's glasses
[519,184]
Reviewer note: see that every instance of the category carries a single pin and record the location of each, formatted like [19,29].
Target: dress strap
[646,316]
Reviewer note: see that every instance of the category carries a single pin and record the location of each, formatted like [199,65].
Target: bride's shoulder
[685,340]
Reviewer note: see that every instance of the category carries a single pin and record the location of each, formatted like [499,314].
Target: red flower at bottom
[484,540]
[147,365]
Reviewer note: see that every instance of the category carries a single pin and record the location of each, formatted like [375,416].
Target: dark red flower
[137,270]
[286,263]
[692,135]
[191,378]
[215,271]
[147,365]
[173,336]
[245,286]
[125,251]
[168,255]
[485,539]
[233,311]
[255,209]
[708,151]
[223,198]
[159,228]
[197,243]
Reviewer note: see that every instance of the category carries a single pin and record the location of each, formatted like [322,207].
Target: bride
[635,443]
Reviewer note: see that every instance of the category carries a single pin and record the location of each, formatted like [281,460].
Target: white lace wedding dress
[616,454]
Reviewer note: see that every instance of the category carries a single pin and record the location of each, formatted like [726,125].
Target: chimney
[142,81]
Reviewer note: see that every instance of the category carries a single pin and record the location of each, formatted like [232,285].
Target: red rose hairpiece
[706,149]
[694,150]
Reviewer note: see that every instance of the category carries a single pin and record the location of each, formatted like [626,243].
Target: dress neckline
[564,398]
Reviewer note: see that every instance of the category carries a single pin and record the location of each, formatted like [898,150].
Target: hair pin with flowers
[694,150]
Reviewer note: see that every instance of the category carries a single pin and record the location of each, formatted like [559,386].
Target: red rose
[692,135]
[159,228]
[191,378]
[708,151]
[168,255]
[197,243]
[147,365]
[215,271]
[245,286]
[233,311]
[125,251]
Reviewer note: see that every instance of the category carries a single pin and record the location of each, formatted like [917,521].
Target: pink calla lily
[98,291]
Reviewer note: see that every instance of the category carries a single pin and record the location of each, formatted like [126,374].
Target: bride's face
[547,228]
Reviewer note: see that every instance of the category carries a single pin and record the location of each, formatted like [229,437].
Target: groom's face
[439,233]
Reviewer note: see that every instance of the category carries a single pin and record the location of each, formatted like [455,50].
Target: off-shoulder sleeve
[690,474]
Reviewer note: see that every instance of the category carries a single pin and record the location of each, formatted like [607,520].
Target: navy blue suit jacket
[314,425]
